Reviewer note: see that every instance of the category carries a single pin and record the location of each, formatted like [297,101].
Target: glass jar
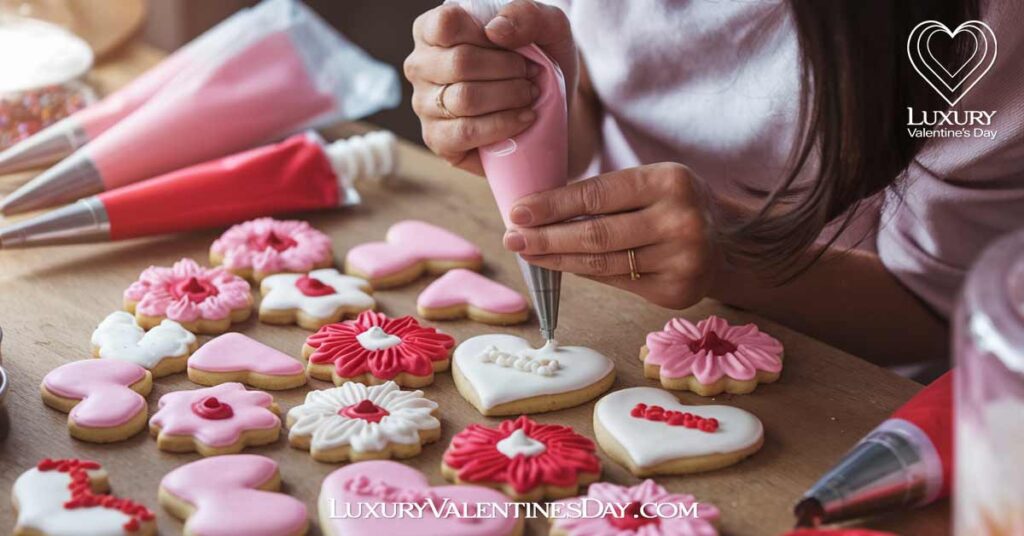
[989,349]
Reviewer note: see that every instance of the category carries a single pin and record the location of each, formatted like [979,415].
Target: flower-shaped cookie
[203,300]
[612,510]
[223,419]
[358,422]
[711,357]
[525,460]
[264,246]
[313,300]
[374,348]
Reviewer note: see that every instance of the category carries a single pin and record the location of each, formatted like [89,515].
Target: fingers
[599,264]
[523,22]
[463,62]
[592,235]
[447,26]
[455,136]
[470,99]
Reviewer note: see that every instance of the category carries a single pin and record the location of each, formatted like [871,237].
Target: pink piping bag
[300,73]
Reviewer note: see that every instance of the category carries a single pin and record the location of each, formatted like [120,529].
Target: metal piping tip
[44,147]
[71,179]
[546,290]
[84,221]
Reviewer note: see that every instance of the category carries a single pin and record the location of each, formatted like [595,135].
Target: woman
[740,150]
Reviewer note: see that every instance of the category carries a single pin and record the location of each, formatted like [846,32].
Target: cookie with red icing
[374,348]
[104,398]
[265,246]
[525,460]
[66,497]
[711,357]
[410,249]
[313,300]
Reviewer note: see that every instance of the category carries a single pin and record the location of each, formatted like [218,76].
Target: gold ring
[634,272]
[440,103]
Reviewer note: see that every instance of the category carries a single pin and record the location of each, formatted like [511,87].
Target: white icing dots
[376,338]
[521,361]
[520,444]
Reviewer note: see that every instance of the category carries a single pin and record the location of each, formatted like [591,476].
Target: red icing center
[212,408]
[632,518]
[311,286]
[712,343]
[366,410]
[195,289]
[82,495]
[674,418]
[273,241]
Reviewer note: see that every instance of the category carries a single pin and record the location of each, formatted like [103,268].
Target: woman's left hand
[659,211]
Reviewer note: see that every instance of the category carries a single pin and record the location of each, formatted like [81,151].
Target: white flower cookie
[162,350]
[313,300]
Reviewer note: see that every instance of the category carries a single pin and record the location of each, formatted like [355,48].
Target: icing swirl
[267,245]
[187,292]
[713,349]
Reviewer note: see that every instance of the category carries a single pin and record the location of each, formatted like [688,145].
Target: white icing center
[375,339]
[520,444]
[521,361]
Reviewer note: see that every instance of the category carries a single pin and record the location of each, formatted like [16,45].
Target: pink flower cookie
[203,300]
[216,420]
[264,246]
[233,357]
[348,493]
[462,293]
[645,509]
[411,248]
[61,497]
[232,494]
[104,398]
[313,300]
[374,348]
[711,357]
[523,459]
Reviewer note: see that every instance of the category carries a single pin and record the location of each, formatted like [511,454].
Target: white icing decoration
[523,361]
[120,337]
[41,496]
[737,429]
[577,367]
[408,413]
[519,443]
[376,338]
[281,294]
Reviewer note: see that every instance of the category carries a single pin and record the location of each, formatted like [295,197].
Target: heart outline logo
[951,85]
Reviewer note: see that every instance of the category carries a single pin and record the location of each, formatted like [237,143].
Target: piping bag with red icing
[905,462]
[535,160]
[300,173]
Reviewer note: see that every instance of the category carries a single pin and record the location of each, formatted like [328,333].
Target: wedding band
[440,103]
[634,272]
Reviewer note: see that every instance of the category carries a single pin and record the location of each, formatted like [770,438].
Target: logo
[952,85]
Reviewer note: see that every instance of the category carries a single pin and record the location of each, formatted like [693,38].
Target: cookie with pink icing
[313,300]
[104,398]
[162,350]
[348,494]
[265,246]
[233,357]
[711,357]
[690,439]
[410,249]
[72,496]
[645,509]
[462,293]
[203,300]
[243,497]
[223,419]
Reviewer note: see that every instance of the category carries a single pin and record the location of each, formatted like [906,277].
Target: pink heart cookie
[242,499]
[411,248]
[350,494]
[463,293]
[104,398]
[233,357]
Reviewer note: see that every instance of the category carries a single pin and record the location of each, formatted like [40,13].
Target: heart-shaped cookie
[690,438]
[162,350]
[505,375]
[411,248]
[350,496]
[463,293]
[234,357]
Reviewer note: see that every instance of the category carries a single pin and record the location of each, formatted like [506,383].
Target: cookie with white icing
[313,300]
[356,422]
[691,439]
[162,350]
[505,375]
[104,398]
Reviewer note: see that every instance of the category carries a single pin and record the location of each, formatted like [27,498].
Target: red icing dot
[712,343]
[273,241]
[311,286]
[194,289]
[366,410]
[212,408]
[631,519]
[673,418]
[82,495]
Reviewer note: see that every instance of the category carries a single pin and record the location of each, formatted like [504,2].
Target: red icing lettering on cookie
[311,286]
[674,418]
[365,410]
[82,495]
[212,408]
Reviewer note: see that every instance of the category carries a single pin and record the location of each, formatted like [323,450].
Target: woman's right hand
[487,88]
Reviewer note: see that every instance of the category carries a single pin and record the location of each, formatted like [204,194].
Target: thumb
[523,22]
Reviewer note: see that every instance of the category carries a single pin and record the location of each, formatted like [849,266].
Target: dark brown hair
[856,84]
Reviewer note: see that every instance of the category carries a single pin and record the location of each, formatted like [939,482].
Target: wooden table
[51,300]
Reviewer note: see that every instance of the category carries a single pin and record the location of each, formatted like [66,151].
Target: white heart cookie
[505,375]
[625,434]
[162,350]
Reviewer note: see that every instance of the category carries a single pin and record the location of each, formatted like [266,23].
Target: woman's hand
[657,210]
[486,86]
